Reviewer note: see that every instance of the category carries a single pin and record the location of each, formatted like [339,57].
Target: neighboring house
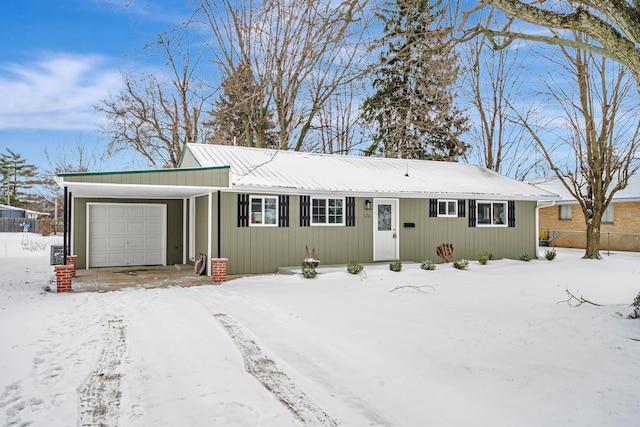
[563,224]
[14,212]
[261,208]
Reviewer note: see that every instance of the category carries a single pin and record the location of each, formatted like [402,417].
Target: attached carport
[135,218]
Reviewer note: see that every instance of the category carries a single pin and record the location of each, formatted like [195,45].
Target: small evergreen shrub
[484,257]
[550,254]
[461,264]
[395,265]
[309,272]
[354,267]
[525,256]
[427,264]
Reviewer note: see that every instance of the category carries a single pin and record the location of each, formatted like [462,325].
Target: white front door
[385,229]
[126,234]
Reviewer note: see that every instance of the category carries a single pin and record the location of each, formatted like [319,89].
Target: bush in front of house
[428,264]
[354,267]
[550,254]
[484,257]
[395,265]
[525,256]
[461,264]
[445,252]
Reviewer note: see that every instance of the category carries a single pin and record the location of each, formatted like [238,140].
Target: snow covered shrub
[525,256]
[309,272]
[484,257]
[395,265]
[427,264]
[354,267]
[445,252]
[550,254]
[461,264]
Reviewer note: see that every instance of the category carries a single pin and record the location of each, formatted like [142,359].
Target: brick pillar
[71,260]
[219,270]
[64,274]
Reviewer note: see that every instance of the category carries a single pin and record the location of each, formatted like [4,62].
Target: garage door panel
[126,235]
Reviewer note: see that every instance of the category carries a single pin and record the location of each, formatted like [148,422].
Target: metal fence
[609,240]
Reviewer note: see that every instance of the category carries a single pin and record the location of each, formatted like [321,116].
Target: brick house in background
[562,224]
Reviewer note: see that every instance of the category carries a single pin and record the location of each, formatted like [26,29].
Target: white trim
[327,224]
[209,227]
[491,224]
[447,215]
[192,229]
[185,224]
[263,206]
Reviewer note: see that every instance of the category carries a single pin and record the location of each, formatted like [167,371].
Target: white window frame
[326,222]
[505,220]
[608,215]
[262,211]
[447,204]
[565,212]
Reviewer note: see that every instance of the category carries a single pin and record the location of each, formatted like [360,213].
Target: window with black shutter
[433,208]
[472,213]
[350,203]
[511,216]
[460,208]
[283,205]
[305,211]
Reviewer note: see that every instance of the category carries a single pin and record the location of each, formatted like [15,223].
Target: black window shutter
[433,208]
[243,210]
[351,212]
[305,211]
[283,211]
[472,213]
[460,208]
[511,213]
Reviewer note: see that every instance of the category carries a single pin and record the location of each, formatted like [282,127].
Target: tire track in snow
[274,379]
[100,394]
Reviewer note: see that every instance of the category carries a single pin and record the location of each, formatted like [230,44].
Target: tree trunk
[593,239]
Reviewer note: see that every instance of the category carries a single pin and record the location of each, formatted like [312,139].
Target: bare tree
[492,85]
[300,53]
[156,114]
[337,122]
[603,134]
[73,157]
[612,27]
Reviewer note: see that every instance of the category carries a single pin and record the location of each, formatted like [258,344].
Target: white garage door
[123,234]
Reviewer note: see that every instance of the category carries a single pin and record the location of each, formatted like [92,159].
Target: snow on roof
[268,170]
[630,193]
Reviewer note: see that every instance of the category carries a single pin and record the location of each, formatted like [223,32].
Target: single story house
[7,211]
[563,224]
[260,209]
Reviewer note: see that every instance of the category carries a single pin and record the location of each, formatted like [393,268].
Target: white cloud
[58,91]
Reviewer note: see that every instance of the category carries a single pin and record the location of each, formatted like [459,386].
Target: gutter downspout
[219,227]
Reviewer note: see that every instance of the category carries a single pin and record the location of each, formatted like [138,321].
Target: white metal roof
[281,171]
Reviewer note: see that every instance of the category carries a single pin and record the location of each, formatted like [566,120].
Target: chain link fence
[609,241]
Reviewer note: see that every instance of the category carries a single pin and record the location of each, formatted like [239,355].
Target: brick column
[219,270]
[64,274]
[71,260]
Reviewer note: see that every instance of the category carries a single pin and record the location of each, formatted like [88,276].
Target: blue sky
[60,58]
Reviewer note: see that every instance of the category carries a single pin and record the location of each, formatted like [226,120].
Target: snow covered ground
[492,345]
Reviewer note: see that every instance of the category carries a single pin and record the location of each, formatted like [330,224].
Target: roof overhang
[153,184]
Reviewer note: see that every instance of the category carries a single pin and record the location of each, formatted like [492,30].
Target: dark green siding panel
[174,226]
[201,225]
[420,243]
[264,249]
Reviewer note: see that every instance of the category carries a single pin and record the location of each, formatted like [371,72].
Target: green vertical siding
[264,249]
[174,226]
[419,243]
